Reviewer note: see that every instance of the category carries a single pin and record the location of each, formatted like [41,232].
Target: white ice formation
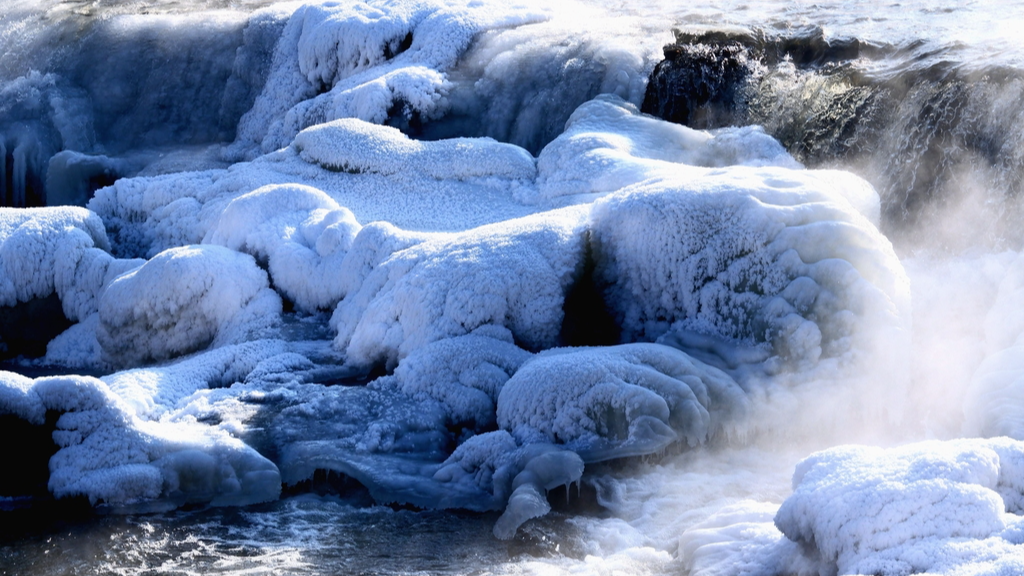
[246,306]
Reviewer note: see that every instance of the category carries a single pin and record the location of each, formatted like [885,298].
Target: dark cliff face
[921,128]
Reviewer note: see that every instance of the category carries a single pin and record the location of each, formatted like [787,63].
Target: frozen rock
[352,145]
[299,232]
[183,300]
[514,274]
[767,257]
[931,507]
[621,401]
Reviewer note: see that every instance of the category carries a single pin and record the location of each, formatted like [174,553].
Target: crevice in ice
[26,453]
[588,320]
[26,328]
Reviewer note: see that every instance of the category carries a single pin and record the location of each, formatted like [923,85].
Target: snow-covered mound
[352,145]
[766,257]
[619,401]
[513,274]
[300,233]
[935,507]
[182,300]
[362,60]
[115,458]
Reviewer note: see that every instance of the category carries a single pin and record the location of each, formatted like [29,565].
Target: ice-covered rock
[299,232]
[182,300]
[620,401]
[465,374]
[608,145]
[352,145]
[932,507]
[514,274]
[108,454]
[767,257]
[366,59]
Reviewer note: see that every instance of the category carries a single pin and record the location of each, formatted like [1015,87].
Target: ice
[361,60]
[299,232]
[352,145]
[768,257]
[121,461]
[465,374]
[621,401]
[514,274]
[931,507]
[608,145]
[183,300]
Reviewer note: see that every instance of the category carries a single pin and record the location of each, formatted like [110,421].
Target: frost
[762,256]
[929,507]
[182,300]
[115,458]
[512,274]
[351,145]
[628,400]
[299,232]
[363,59]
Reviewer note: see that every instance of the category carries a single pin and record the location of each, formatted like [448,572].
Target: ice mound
[115,458]
[465,374]
[40,249]
[352,145]
[608,145]
[299,232]
[367,60]
[513,274]
[183,300]
[621,401]
[765,257]
[932,507]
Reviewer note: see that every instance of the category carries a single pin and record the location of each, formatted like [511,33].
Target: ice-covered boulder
[63,250]
[183,300]
[299,232]
[513,274]
[619,401]
[465,374]
[364,59]
[929,507]
[766,257]
[108,454]
[608,145]
[352,145]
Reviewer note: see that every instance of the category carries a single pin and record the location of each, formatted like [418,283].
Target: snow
[929,507]
[621,401]
[182,300]
[121,461]
[514,274]
[299,232]
[368,229]
[767,257]
[352,145]
[347,61]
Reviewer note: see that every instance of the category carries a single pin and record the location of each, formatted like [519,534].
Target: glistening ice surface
[502,287]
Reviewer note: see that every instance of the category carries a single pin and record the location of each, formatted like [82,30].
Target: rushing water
[929,109]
